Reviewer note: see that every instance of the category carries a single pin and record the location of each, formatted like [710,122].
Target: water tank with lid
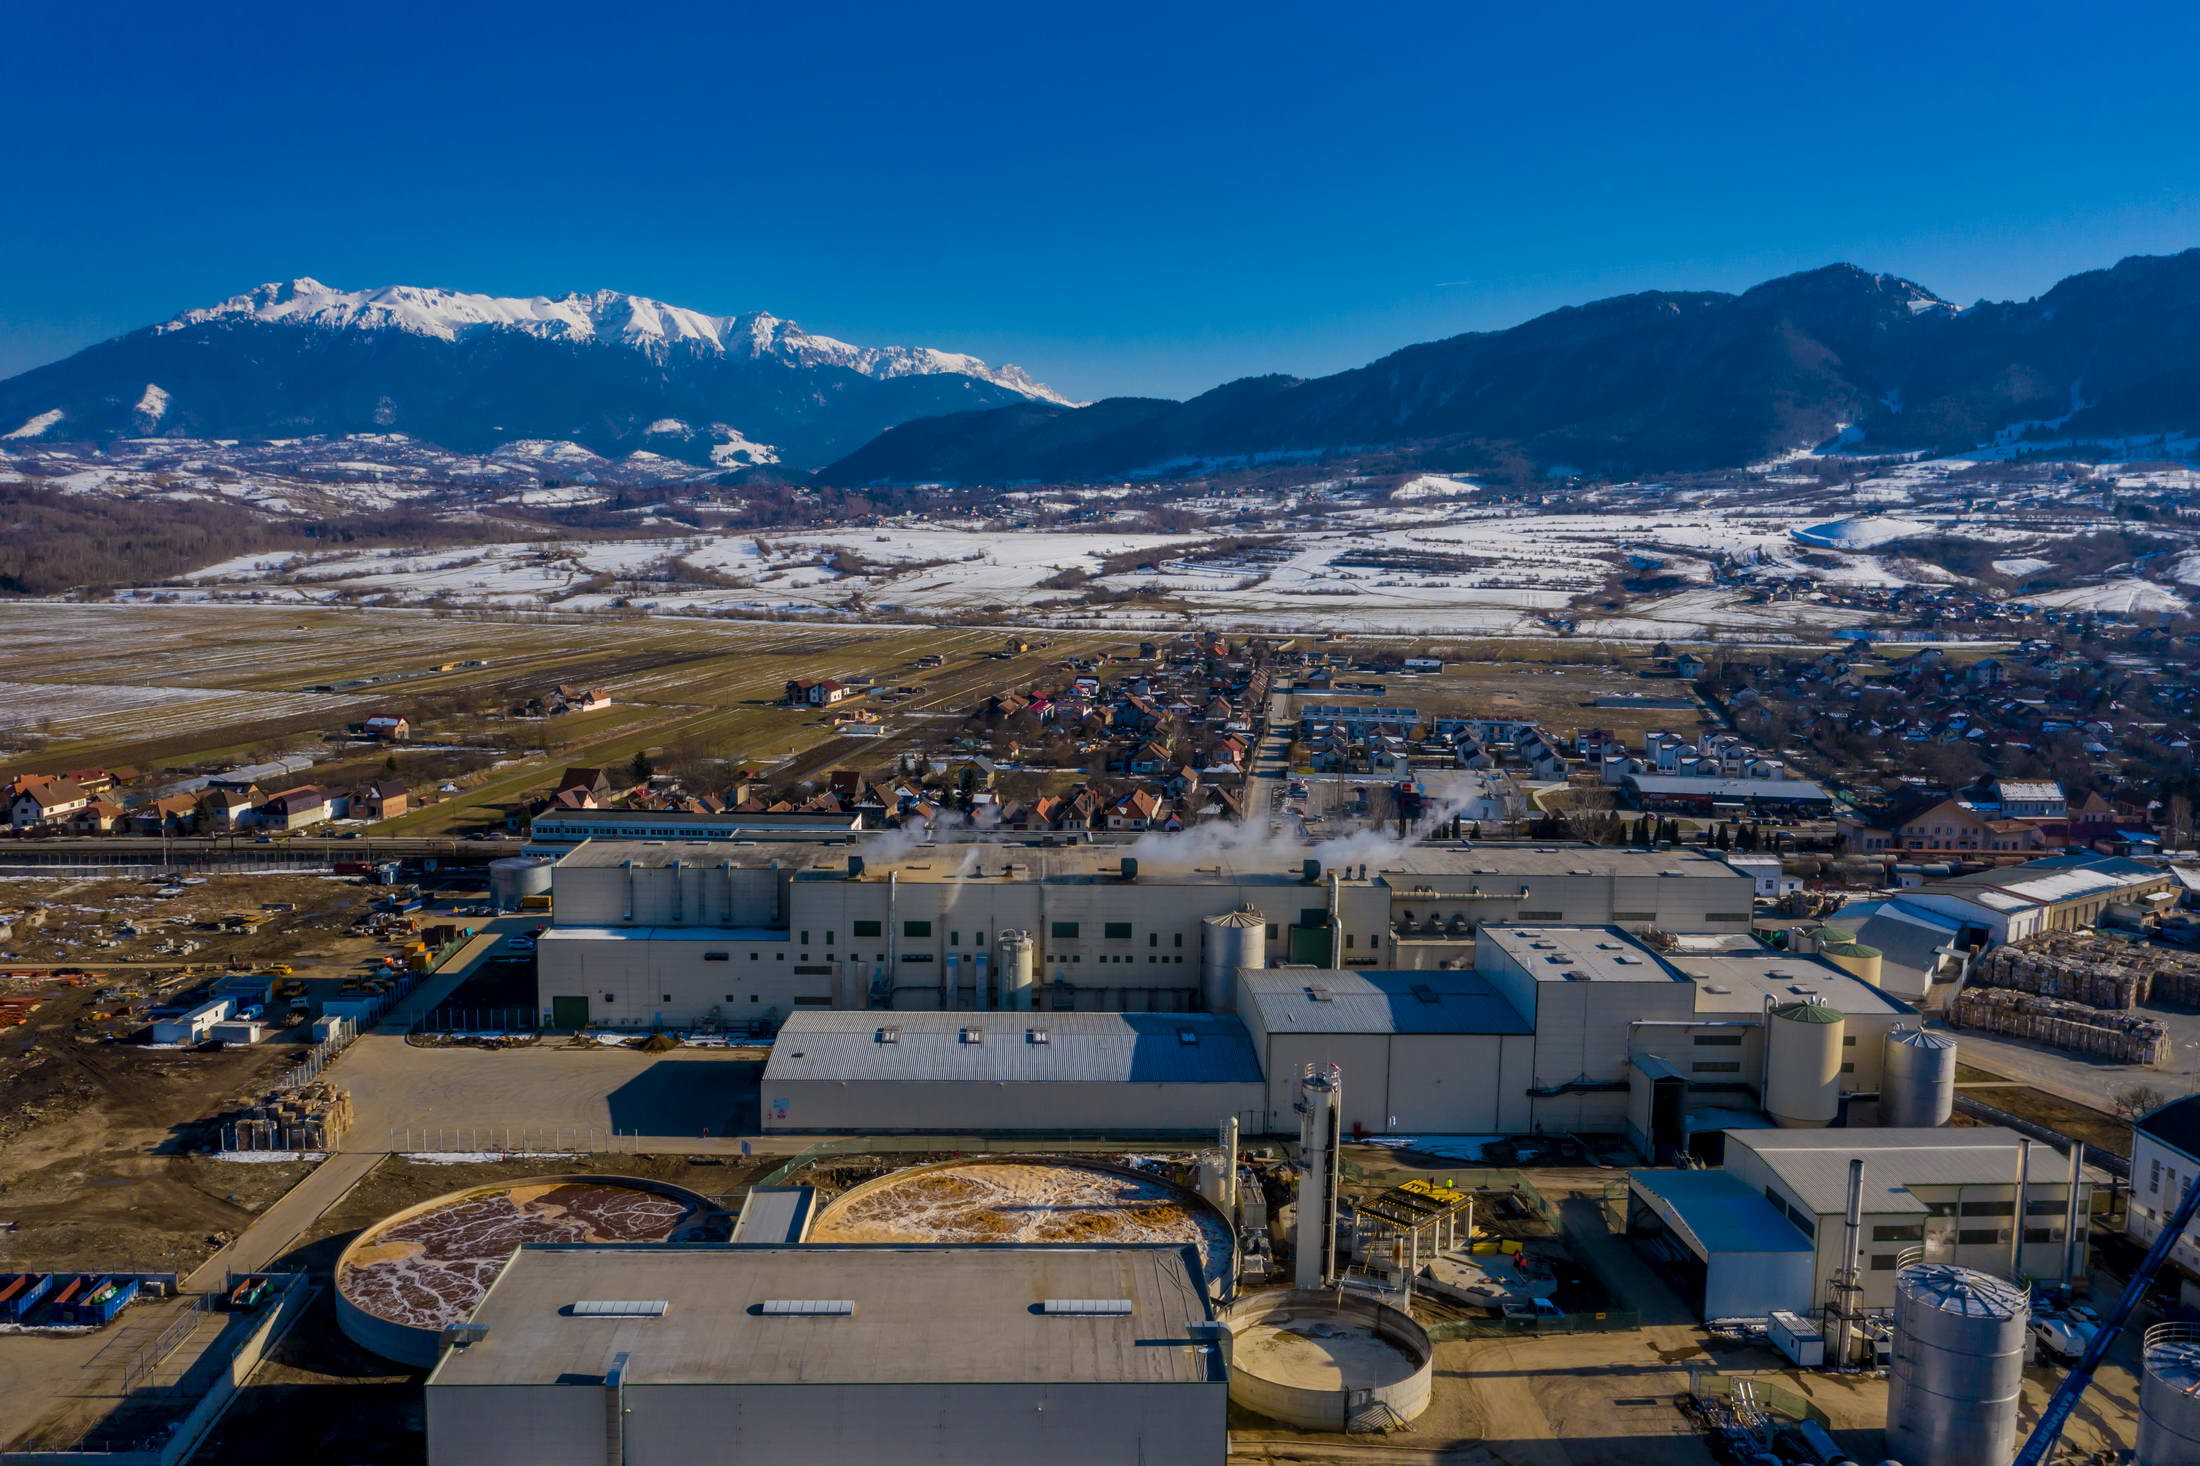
[1803,1063]
[1918,1084]
[1227,942]
[1844,951]
[2169,1397]
[1960,1341]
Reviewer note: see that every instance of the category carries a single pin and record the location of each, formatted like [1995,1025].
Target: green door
[1312,945]
[569,1013]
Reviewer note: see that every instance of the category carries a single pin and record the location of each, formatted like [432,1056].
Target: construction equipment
[2049,1430]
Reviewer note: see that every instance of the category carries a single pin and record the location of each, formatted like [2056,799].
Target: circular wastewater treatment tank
[1034,1201]
[413,1274]
[1327,1361]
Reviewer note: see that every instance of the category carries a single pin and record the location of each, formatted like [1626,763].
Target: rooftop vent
[1038,1035]
[973,1035]
[1187,1036]
[1713,987]
[618,1308]
[890,1034]
[1320,993]
[807,1307]
[1425,993]
[1572,975]
[1087,1307]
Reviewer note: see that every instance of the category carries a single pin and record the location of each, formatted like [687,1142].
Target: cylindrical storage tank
[518,876]
[1214,1180]
[2169,1397]
[1227,942]
[1918,1086]
[1803,1064]
[1959,1347]
[1013,960]
[1851,956]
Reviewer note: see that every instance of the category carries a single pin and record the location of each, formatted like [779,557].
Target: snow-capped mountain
[613,372]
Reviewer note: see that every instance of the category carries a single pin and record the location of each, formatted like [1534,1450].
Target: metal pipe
[2023,1195]
[2073,1253]
[1847,1284]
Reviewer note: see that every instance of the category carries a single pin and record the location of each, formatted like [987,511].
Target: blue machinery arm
[2057,1414]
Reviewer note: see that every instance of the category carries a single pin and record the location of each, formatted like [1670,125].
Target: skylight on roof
[807,1307]
[619,1308]
[1087,1307]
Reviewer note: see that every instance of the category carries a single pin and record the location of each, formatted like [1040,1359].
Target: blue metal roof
[1359,1000]
[1008,1047]
[1719,1211]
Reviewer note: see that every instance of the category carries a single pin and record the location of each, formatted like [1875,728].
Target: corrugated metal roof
[1718,788]
[1313,1000]
[1026,1048]
[1814,1164]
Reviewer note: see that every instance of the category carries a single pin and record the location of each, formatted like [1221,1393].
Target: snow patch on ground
[36,425]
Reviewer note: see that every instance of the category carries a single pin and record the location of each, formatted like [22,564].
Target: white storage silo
[1960,1340]
[1803,1063]
[1227,942]
[2169,1397]
[1917,1086]
[1013,963]
[518,876]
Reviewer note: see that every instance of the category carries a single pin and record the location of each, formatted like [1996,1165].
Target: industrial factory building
[1434,1053]
[863,1356]
[1768,1230]
[1048,1073]
[686,933]
[1572,1029]
[2165,1158]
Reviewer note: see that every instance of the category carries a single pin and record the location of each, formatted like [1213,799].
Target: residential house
[45,801]
[302,808]
[381,800]
[387,728]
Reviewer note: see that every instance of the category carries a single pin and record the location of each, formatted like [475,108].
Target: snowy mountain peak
[649,326]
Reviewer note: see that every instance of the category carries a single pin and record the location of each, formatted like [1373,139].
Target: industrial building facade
[1768,1230]
[861,1356]
[686,933]
[1552,1029]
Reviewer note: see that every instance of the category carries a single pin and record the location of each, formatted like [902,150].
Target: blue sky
[1123,198]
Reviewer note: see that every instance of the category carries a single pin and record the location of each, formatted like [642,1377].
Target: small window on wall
[717,956]
[1981,1237]
[1116,931]
[916,928]
[731,998]
[609,999]
[828,938]
[1883,1262]
[1062,931]
[666,998]
[868,929]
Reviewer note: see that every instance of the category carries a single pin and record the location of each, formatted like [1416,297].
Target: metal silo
[1918,1085]
[1803,1063]
[1014,963]
[2169,1397]
[517,876]
[1960,1342]
[1227,942]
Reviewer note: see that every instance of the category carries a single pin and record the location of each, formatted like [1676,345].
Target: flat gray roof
[1011,1047]
[775,1214]
[1360,1000]
[1719,788]
[989,860]
[1732,973]
[919,1315]
[1814,1164]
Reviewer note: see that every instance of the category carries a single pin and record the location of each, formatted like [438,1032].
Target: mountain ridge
[1649,382]
[612,371]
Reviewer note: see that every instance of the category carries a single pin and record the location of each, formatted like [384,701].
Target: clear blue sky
[1123,198]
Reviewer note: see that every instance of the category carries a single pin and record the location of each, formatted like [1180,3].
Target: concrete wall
[1101,1424]
[1331,1409]
[959,1107]
[680,977]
